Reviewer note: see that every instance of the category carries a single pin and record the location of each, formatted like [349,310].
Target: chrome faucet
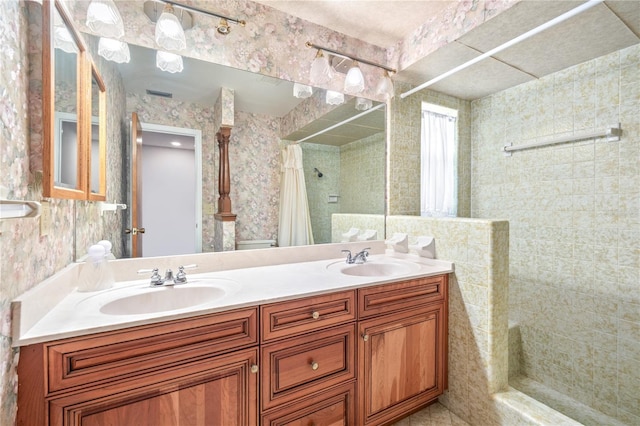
[360,257]
[169,279]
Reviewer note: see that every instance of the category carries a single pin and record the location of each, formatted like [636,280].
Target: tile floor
[434,415]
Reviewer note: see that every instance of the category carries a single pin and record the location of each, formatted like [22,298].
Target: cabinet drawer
[298,367]
[394,297]
[82,362]
[294,317]
[334,407]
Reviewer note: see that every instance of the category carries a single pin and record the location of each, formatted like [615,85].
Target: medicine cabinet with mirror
[73,112]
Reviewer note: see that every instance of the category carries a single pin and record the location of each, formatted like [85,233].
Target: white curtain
[295,222]
[438,195]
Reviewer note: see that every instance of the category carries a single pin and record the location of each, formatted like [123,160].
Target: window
[438,159]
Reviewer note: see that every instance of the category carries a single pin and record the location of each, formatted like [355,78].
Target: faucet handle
[349,258]
[156,279]
[181,276]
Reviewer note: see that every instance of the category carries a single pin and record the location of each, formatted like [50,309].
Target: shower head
[318,172]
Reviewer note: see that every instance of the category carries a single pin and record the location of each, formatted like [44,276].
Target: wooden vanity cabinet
[402,348]
[369,356]
[193,371]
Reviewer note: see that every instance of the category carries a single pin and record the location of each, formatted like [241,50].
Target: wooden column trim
[224,177]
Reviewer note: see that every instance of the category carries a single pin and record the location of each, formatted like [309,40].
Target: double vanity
[303,338]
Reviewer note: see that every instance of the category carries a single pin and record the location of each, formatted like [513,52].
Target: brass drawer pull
[365,337]
[254,368]
[314,365]
[315,315]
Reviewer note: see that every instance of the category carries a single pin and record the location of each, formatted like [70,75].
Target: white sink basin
[376,268]
[162,299]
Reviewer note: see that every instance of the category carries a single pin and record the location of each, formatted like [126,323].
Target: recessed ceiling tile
[479,80]
[591,34]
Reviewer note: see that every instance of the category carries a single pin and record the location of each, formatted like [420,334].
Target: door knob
[134,231]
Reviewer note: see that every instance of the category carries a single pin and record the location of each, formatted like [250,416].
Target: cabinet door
[401,363]
[218,391]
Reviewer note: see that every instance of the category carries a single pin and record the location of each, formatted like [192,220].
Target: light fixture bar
[370,110]
[353,58]
[558,19]
[240,22]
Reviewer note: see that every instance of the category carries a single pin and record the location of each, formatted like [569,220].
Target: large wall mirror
[344,168]
[68,94]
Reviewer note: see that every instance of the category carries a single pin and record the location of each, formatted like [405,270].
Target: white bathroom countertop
[38,317]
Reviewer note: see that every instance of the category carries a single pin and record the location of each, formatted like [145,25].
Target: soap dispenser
[95,274]
[107,249]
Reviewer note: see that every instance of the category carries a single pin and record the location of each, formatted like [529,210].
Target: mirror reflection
[95,135]
[66,149]
[350,158]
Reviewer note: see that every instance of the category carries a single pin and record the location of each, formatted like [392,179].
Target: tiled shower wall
[354,172]
[326,159]
[362,176]
[574,215]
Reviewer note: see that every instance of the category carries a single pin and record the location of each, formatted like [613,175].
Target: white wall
[168,201]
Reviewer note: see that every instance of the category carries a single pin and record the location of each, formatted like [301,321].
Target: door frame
[197,135]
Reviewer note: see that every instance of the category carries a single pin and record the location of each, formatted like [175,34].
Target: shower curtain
[295,222]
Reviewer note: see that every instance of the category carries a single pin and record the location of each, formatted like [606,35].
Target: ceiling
[605,28]
[381,23]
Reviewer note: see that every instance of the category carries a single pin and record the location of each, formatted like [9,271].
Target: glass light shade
[63,40]
[169,32]
[334,98]
[114,50]
[103,18]
[302,91]
[363,104]
[321,71]
[354,82]
[169,62]
[385,86]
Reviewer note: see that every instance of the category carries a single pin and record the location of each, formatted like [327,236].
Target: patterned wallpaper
[254,160]
[27,257]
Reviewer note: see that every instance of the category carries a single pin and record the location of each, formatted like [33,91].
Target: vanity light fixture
[363,104]
[354,81]
[321,72]
[302,91]
[62,38]
[114,50]
[334,98]
[169,32]
[385,86]
[155,8]
[169,62]
[176,143]
[103,18]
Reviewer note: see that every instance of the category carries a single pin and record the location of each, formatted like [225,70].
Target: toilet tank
[255,244]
